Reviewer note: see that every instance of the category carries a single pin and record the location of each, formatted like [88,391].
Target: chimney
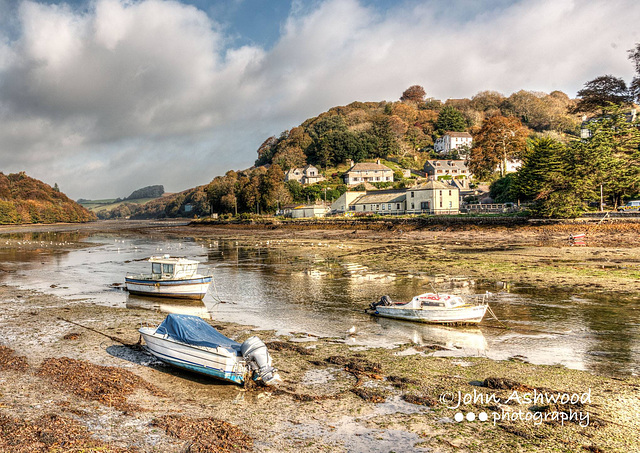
[350,163]
[378,161]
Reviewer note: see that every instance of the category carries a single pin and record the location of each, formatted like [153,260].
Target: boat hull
[189,288]
[471,314]
[218,363]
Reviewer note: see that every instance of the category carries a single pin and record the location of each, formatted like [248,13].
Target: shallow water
[327,299]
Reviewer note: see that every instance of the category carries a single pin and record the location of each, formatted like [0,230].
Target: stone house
[306,175]
[436,169]
[368,172]
[433,197]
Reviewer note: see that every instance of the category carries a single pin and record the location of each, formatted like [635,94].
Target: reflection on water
[271,288]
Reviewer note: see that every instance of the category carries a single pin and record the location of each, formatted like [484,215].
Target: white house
[368,172]
[453,140]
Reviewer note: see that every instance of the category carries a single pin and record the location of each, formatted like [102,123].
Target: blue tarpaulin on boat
[194,331]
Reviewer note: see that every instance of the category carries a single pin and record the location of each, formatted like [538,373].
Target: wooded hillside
[27,200]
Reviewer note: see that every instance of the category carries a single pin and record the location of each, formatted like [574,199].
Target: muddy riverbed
[64,387]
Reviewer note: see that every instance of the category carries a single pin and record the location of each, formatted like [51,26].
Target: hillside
[27,200]
[408,128]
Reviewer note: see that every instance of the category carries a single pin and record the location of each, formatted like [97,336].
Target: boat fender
[256,354]
[384,300]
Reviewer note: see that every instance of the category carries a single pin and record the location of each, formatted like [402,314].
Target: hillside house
[368,172]
[433,197]
[306,175]
[453,140]
[436,169]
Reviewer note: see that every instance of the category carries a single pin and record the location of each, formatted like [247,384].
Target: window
[413,194]
[449,193]
[424,205]
[398,206]
[389,206]
[167,268]
[441,193]
[440,203]
[412,206]
[383,208]
[156,268]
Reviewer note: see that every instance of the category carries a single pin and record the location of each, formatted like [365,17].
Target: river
[255,285]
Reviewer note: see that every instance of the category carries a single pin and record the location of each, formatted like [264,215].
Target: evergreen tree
[450,119]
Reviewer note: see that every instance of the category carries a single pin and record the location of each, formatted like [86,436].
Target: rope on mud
[495,317]
[111,337]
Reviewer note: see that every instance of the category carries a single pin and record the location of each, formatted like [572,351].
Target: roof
[458,134]
[166,259]
[381,197]
[368,166]
[433,185]
[458,163]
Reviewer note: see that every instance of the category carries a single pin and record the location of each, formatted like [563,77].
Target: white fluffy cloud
[129,93]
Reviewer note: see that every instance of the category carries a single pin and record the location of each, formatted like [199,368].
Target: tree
[601,92]
[499,140]
[634,89]
[414,93]
[450,119]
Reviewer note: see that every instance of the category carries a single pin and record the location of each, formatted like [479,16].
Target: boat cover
[194,331]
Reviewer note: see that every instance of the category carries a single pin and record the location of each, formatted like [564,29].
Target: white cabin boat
[431,308]
[188,342]
[170,277]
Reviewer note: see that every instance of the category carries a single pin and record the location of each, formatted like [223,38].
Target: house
[585,131]
[380,202]
[342,204]
[433,197]
[436,169]
[306,175]
[304,211]
[368,172]
[453,140]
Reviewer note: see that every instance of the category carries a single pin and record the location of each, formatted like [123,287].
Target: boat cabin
[163,267]
[436,300]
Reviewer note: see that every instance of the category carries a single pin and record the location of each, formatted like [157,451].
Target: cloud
[127,93]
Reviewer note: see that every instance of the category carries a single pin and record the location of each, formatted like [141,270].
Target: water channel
[254,285]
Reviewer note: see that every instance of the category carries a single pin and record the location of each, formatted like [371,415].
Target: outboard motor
[255,353]
[384,301]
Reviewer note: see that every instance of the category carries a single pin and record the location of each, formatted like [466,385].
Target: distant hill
[27,200]
[147,192]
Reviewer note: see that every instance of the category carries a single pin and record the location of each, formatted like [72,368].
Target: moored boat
[188,342]
[431,308]
[170,277]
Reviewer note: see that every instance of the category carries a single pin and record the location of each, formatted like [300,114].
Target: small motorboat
[170,277]
[188,342]
[432,308]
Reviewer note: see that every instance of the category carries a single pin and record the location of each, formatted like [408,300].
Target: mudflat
[73,378]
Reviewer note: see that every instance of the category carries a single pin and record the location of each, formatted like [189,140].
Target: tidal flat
[85,385]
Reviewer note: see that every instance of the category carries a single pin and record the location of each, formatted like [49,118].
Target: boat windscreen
[194,331]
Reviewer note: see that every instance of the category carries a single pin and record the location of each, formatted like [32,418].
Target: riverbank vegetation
[27,200]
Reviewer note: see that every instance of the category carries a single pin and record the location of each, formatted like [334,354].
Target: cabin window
[156,268]
[167,268]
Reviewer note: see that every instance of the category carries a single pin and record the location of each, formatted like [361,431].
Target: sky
[103,97]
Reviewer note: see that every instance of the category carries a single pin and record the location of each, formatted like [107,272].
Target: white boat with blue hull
[170,277]
[188,342]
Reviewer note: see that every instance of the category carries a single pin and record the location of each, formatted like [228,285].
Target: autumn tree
[500,139]
[602,92]
[414,93]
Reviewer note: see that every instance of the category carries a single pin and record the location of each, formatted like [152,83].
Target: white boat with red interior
[432,308]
